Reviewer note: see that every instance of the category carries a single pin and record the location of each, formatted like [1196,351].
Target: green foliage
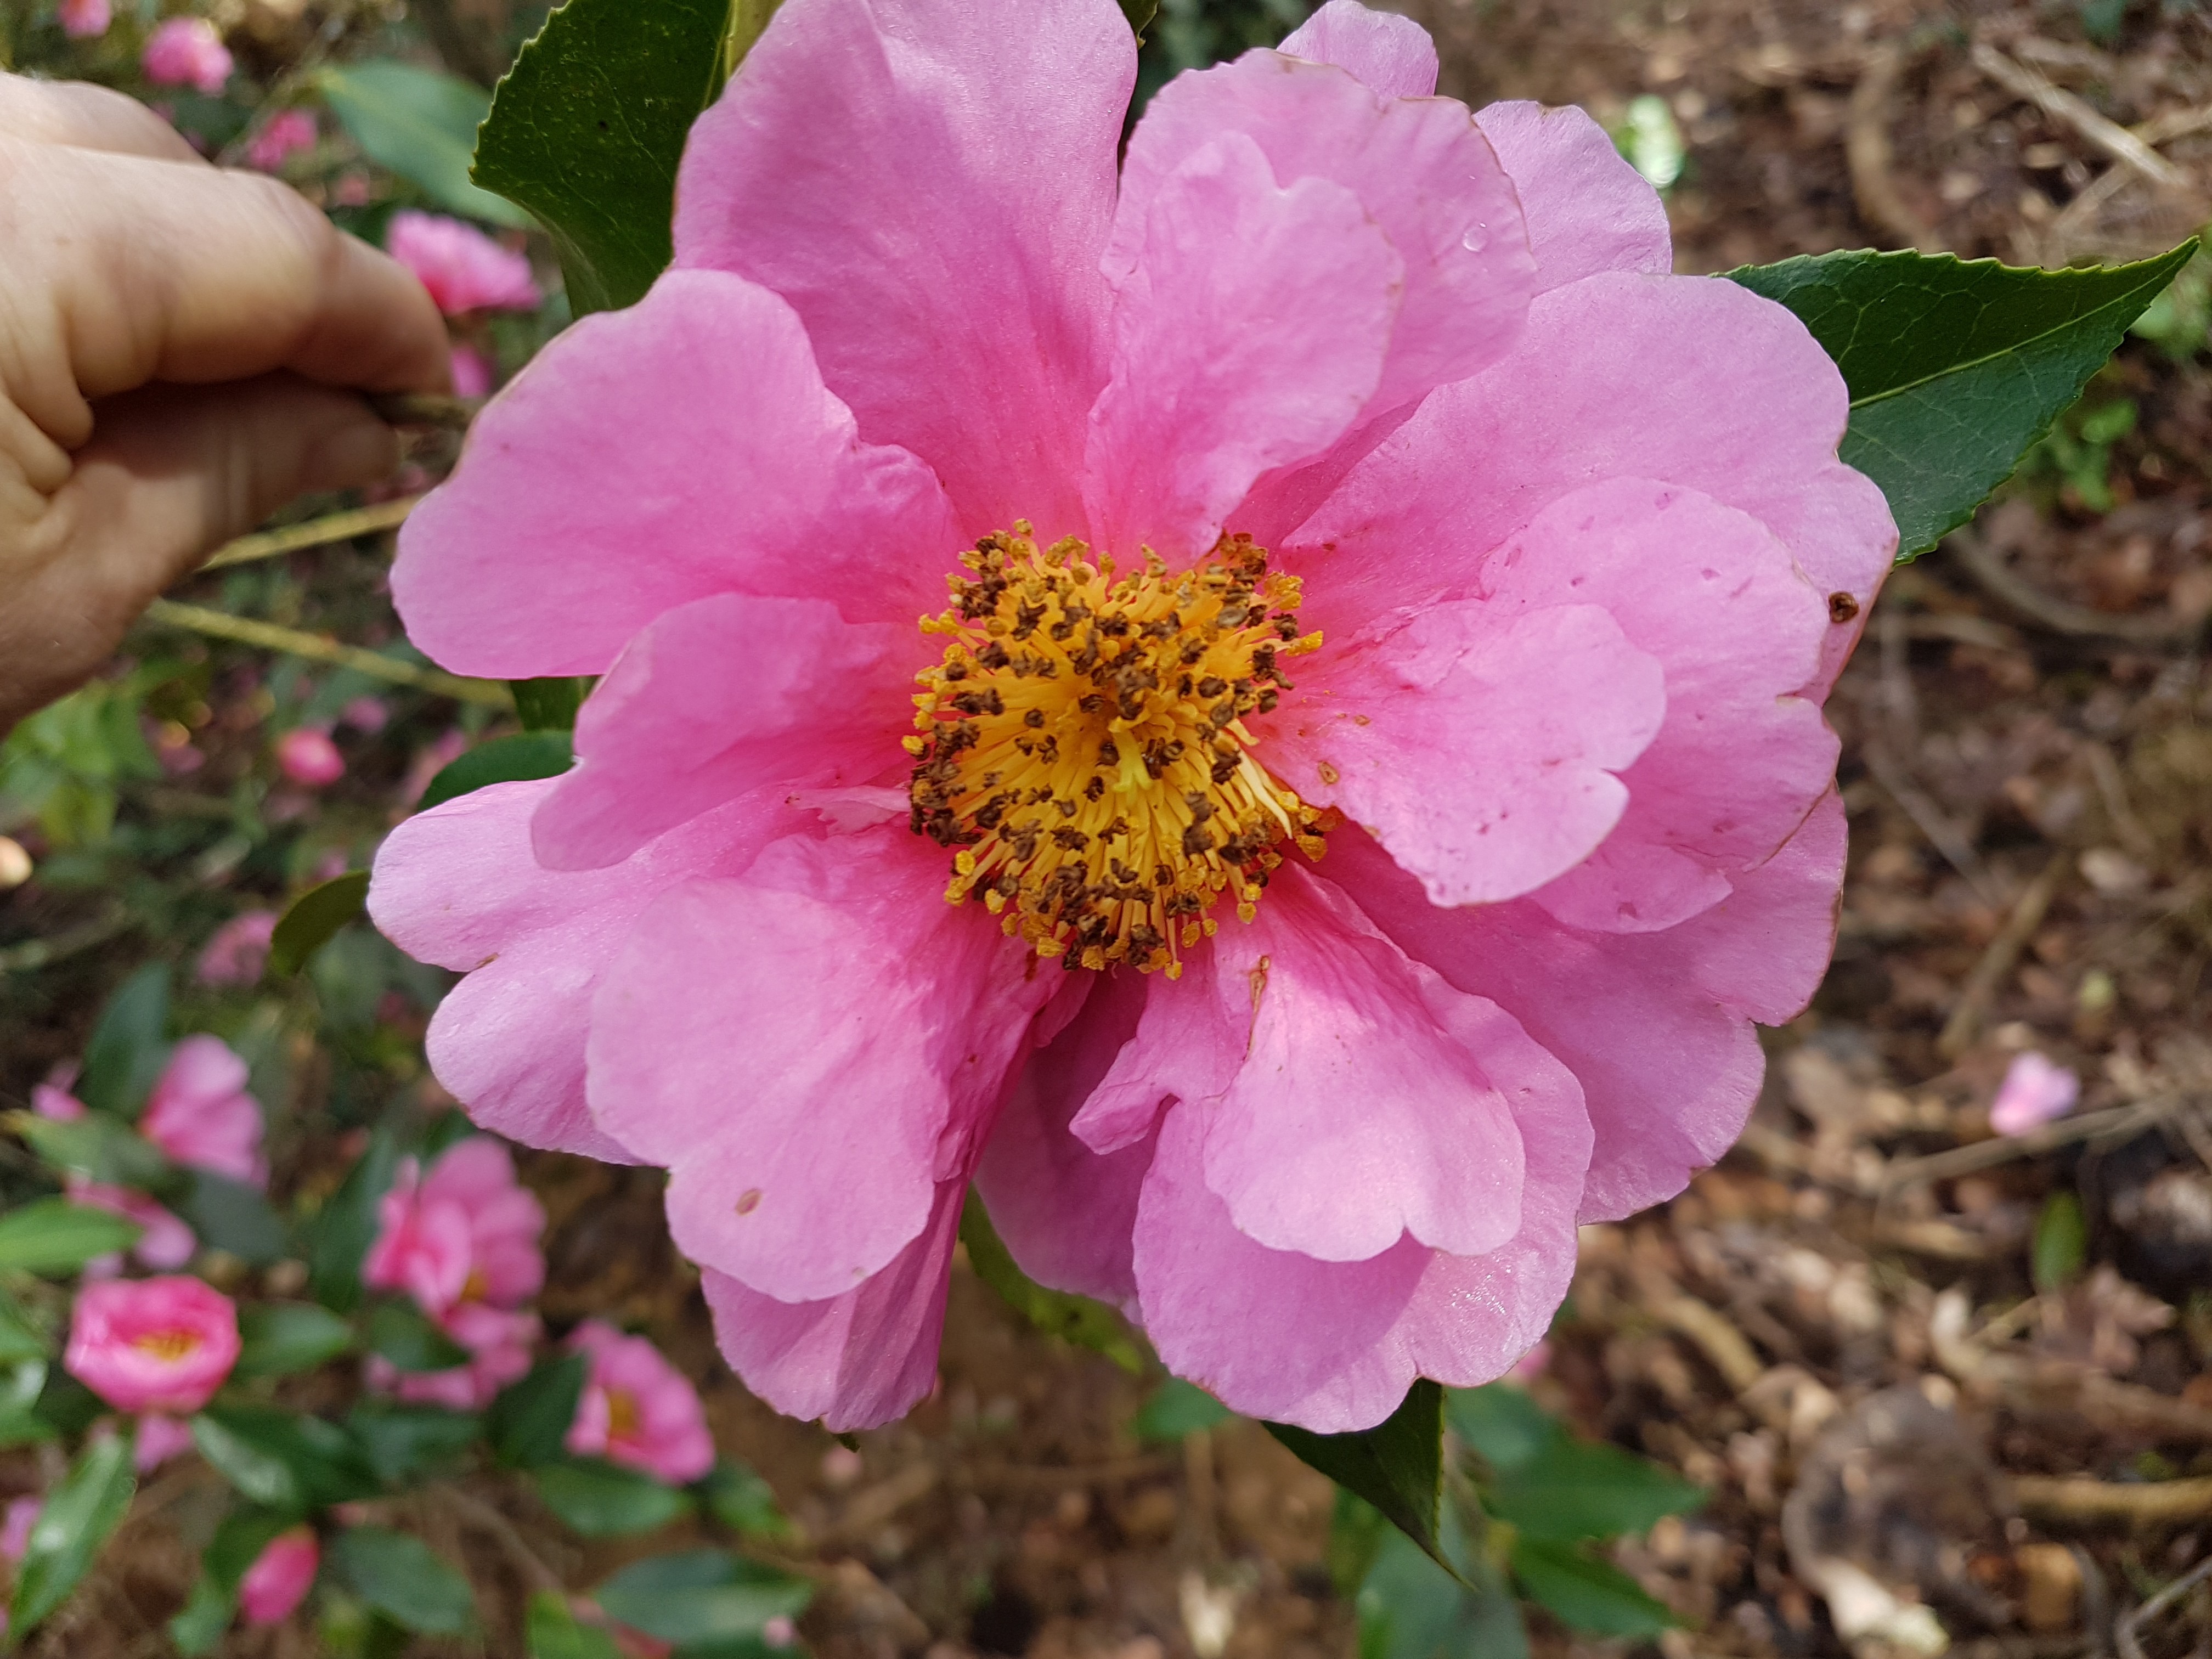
[347,1226]
[606,1500]
[2061,1248]
[1178,1408]
[529,1421]
[1397,1466]
[551,1631]
[280,1459]
[1584,1593]
[2078,451]
[401,1577]
[422,124]
[586,129]
[98,1146]
[1651,142]
[22,1336]
[128,1048]
[311,920]
[1072,1318]
[2179,320]
[238,1540]
[404,1443]
[550,705]
[700,1596]
[400,1332]
[1411,1607]
[20,1384]
[63,765]
[742,1502]
[1574,1489]
[79,1514]
[54,1235]
[503,760]
[1954,367]
[231,1216]
[283,1338]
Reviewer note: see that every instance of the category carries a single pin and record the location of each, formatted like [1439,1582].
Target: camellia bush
[1226,710]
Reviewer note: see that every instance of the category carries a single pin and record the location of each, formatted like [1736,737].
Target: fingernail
[360,452]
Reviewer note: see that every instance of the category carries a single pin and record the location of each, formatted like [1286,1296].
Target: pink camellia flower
[307,757]
[200,1115]
[1389,620]
[85,19]
[239,950]
[638,1409]
[23,1514]
[152,1345]
[159,1439]
[288,132]
[165,1245]
[280,1578]
[464,269]
[186,52]
[499,1342]
[466,1232]
[2033,1093]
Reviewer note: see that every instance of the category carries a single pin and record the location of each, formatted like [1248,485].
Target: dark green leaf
[66,1405]
[550,705]
[310,919]
[2062,1243]
[127,1050]
[1584,1593]
[206,1615]
[700,1596]
[1500,1424]
[238,1540]
[742,1502]
[78,1516]
[54,1235]
[1177,1409]
[99,1147]
[21,1337]
[282,1339]
[606,1500]
[1140,13]
[282,1460]
[401,1332]
[405,1443]
[20,1385]
[551,1631]
[503,760]
[1410,1607]
[1955,367]
[529,1421]
[1575,1489]
[347,1226]
[1072,1318]
[422,124]
[229,1215]
[1397,1466]
[588,128]
[401,1577]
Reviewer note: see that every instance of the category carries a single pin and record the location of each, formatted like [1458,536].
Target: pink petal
[199,1114]
[1482,749]
[2034,1093]
[930,186]
[718,698]
[1588,209]
[810,1048]
[1419,168]
[458,886]
[1392,55]
[1187,1043]
[855,1360]
[1248,336]
[740,473]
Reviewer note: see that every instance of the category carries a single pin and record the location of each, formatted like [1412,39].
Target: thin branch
[316,647]
[2116,141]
[2079,1498]
[1931,820]
[1983,564]
[1964,1023]
[315,533]
[2126,1631]
[2119,1122]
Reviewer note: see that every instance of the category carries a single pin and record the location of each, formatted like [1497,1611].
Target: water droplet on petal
[1477,238]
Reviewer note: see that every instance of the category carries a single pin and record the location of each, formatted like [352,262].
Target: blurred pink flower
[431,759]
[472,373]
[367,715]
[638,1409]
[280,1577]
[2034,1092]
[186,52]
[200,1115]
[152,1345]
[52,1098]
[499,1342]
[287,132]
[84,19]
[1532,1364]
[306,756]
[165,1245]
[352,190]
[239,950]
[160,1438]
[466,1232]
[464,269]
[779,1632]
[15,1531]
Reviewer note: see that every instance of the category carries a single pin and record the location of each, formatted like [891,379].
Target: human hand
[181,352]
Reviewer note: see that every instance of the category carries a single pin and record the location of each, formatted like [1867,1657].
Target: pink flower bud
[15,1530]
[153,1344]
[779,1632]
[288,132]
[2034,1092]
[160,1438]
[280,1577]
[85,19]
[367,715]
[239,950]
[638,1409]
[464,269]
[186,52]
[308,757]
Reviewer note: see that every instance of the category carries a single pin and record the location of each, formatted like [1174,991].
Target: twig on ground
[315,533]
[221,624]
[1866,147]
[869,1509]
[2115,140]
[34,954]
[2111,787]
[1932,821]
[2127,1631]
[2079,1499]
[1983,564]
[1963,1024]
[474,1513]
[2118,1122]
[1721,1344]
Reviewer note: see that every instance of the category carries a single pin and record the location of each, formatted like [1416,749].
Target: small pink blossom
[464,269]
[2034,1093]
[186,52]
[15,1531]
[779,1632]
[1375,754]
[638,1409]
[85,19]
[160,1438]
[472,373]
[367,715]
[307,757]
[288,132]
[52,1098]
[466,1232]
[165,1245]
[200,1115]
[152,1345]
[280,1577]
[239,950]
[498,1343]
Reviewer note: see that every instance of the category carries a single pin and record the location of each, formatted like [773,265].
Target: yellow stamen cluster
[1082,747]
[168,1346]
